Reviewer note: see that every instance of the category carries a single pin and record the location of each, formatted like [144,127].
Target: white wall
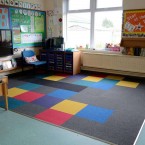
[51,4]
[54,13]
[40,2]
[133,4]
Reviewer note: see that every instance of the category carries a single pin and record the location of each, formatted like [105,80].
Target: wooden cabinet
[72,62]
[62,61]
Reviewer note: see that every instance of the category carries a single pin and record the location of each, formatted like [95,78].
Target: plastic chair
[29,54]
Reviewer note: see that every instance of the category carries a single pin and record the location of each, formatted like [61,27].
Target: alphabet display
[20,4]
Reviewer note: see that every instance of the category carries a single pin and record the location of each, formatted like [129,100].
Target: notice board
[28,27]
[134,23]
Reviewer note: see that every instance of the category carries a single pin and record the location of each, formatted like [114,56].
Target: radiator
[132,64]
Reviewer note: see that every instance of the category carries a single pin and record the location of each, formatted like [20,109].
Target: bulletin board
[28,27]
[134,23]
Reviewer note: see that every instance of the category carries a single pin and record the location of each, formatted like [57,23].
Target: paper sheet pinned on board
[24,28]
[55,22]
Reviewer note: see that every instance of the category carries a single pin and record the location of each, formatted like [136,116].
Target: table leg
[5,94]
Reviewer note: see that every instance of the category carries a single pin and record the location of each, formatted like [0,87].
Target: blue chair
[29,54]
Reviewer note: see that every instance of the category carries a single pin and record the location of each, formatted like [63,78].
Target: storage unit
[50,58]
[62,61]
[59,61]
[68,62]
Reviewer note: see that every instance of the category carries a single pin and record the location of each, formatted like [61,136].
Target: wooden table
[4,89]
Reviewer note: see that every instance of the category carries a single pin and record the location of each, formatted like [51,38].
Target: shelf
[133,42]
[8,69]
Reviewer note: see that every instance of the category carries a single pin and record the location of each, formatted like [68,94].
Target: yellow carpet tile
[127,84]
[69,107]
[92,79]
[54,78]
[15,91]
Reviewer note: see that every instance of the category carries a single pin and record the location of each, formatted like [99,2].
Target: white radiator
[132,64]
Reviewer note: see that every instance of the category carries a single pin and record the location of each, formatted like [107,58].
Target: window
[108,3]
[93,23]
[78,30]
[79,4]
[107,29]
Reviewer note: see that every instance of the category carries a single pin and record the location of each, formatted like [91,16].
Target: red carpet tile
[29,96]
[53,116]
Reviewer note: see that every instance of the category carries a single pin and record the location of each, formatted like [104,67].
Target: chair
[29,59]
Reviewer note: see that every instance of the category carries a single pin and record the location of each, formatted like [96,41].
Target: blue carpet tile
[97,114]
[64,94]
[47,101]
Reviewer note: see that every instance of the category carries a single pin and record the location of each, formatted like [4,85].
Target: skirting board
[119,72]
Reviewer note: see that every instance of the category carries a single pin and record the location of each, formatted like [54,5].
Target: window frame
[93,9]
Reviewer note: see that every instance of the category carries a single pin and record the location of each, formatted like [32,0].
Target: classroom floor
[140,140]
[17,129]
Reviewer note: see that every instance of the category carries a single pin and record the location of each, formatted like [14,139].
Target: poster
[4,19]
[16,36]
[39,24]
[134,23]
[31,38]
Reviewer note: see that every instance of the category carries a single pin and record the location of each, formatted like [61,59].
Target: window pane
[107,28]
[78,30]
[109,3]
[79,4]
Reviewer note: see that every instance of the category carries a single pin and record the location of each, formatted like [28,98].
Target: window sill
[101,51]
